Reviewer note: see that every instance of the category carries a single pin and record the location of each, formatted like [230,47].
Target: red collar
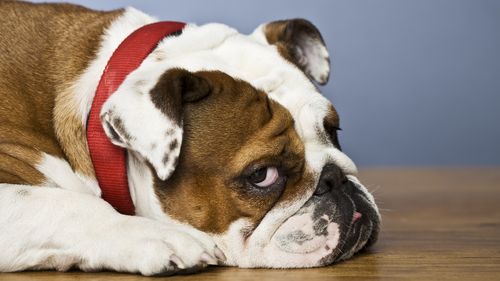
[109,160]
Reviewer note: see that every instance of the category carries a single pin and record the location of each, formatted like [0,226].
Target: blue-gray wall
[415,82]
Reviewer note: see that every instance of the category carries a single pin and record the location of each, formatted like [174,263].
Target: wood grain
[438,224]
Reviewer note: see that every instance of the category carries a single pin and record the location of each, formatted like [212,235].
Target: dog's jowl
[208,147]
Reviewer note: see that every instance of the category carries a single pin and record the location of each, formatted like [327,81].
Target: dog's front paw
[137,244]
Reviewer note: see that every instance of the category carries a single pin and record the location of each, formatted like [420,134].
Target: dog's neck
[73,102]
[109,159]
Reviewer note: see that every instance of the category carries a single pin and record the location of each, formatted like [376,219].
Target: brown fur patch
[274,32]
[233,129]
[44,48]
[71,133]
[174,88]
[291,38]
[18,155]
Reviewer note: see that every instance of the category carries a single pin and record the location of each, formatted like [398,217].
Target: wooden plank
[438,224]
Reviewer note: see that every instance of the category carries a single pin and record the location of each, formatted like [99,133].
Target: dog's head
[227,133]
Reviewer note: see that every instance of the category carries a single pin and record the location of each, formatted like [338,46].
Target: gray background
[415,82]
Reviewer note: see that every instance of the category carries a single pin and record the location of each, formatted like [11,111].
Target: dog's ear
[300,42]
[148,120]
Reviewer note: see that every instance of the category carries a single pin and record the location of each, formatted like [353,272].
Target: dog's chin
[329,228]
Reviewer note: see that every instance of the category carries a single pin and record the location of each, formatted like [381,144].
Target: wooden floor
[438,224]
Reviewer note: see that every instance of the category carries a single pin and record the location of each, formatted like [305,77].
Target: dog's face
[233,139]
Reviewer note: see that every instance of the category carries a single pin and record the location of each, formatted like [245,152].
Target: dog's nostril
[323,187]
[344,180]
[331,178]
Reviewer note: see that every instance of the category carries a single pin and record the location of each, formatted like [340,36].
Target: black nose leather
[331,178]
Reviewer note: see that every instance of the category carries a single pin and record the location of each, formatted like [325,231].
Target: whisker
[375,189]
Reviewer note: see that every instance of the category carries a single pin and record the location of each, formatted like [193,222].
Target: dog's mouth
[331,227]
[361,233]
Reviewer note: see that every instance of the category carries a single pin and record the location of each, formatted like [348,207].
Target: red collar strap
[109,160]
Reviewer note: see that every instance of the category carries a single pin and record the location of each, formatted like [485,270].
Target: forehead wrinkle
[277,139]
[273,126]
[260,102]
[281,120]
[255,150]
[285,149]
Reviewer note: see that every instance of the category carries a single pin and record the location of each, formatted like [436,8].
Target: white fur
[245,253]
[59,173]
[52,228]
[149,131]
[317,58]
[305,224]
[259,35]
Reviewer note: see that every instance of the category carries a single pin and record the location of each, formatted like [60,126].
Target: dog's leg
[52,228]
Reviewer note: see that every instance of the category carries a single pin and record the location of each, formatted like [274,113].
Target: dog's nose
[331,178]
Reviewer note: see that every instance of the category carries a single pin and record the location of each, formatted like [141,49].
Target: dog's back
[43,46]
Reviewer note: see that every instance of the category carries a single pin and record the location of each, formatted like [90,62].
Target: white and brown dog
[231,152]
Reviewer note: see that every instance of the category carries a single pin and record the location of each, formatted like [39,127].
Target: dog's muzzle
[340,219]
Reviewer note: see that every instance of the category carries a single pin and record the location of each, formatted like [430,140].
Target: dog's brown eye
[264,177]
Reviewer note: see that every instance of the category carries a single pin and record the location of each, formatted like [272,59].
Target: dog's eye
[332,131]
[264,177]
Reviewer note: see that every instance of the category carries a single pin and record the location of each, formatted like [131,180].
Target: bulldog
[215,147]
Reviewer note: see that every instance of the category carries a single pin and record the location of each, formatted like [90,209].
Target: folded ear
[149,120]
[300,42]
